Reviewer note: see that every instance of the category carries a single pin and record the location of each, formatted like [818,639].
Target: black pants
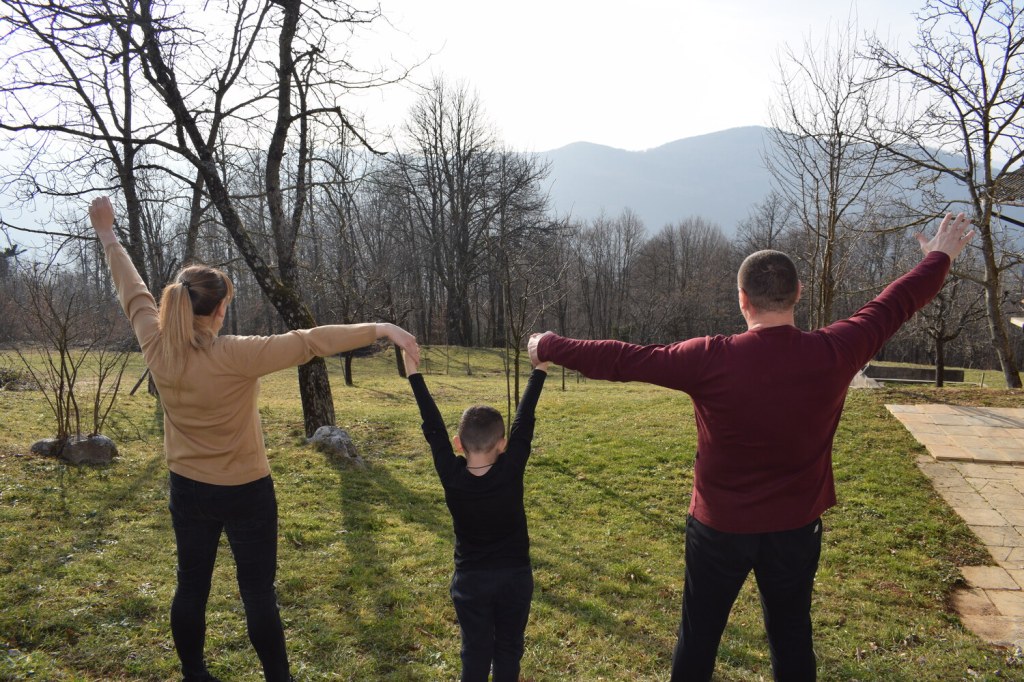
[493,607]
[717,564]
[248,513]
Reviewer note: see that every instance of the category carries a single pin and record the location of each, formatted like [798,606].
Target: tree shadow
[371,585]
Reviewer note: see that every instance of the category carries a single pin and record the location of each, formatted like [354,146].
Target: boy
[493,581]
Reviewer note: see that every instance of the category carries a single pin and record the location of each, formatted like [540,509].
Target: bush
[12,379]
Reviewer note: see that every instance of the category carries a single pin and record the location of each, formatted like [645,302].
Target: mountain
[718,176]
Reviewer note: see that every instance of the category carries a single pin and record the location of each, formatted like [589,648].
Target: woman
[213,440]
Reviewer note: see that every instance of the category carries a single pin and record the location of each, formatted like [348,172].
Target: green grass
[87,554]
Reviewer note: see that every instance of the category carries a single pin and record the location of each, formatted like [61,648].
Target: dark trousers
[493,607]
[717,564]
[248,514]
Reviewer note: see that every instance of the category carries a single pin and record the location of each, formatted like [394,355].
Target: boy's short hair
[480,427]
[769,280]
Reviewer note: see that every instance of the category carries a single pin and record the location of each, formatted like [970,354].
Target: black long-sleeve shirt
[487,511]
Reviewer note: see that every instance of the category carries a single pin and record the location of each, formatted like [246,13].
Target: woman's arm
[136,300]
[101,214]
[257,356]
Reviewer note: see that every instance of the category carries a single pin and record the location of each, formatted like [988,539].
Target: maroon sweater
[767,402]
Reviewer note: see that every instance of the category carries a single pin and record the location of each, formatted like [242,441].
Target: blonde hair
[195,292]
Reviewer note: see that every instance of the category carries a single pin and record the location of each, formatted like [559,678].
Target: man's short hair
[769,280]
[480,428]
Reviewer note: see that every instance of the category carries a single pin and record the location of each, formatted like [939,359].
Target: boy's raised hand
[412,364]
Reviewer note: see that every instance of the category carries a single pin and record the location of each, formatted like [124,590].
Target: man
[767,403]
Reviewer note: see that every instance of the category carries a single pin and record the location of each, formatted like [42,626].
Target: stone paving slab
[989,578]
[976,463]
[966,434]
[1005,631]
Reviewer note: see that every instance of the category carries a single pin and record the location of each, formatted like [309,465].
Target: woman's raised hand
[401,338]
[101,214]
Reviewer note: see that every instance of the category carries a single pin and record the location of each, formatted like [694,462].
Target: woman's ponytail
[177,327]
[196,291]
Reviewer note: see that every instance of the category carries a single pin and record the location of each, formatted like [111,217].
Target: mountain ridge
[719,176]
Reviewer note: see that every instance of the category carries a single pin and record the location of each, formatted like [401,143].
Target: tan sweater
[212,430]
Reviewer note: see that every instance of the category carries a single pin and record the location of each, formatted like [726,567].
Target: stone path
[974,451]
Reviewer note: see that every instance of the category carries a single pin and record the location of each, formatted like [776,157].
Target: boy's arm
[433,426]
[521,433]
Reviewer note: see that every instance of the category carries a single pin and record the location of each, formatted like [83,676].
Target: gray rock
[338,445]
[78,450]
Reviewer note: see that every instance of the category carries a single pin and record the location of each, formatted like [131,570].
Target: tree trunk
[1001,343]
[940,361]
[996,323]
[348,369]
[459,318]
[317,402]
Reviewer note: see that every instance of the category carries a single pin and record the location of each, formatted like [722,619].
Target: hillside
[719,176]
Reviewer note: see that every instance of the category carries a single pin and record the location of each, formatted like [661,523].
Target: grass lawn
[365,556]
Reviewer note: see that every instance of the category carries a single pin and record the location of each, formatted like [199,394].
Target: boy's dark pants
[717,565]
[493,607]
[248,514]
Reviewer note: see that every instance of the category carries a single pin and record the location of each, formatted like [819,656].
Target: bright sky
[628,75]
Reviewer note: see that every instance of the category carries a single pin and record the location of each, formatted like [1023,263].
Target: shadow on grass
[374,594]
[90,510]
[670,523]
[368,589]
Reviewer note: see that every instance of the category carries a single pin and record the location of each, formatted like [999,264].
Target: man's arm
[866,331]
[671,366]
[433,424]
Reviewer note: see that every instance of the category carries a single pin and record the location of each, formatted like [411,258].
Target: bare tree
[521,233]
[953,310]
[605,264]
[449,172]
[764,228]
[684,283]
[76,339]
[159,90]
[817,157]
[295,96]
[70,83]
[962,86]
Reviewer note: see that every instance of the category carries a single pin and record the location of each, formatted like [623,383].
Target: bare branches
[966,78]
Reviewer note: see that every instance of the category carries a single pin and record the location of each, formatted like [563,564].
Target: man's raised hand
[532,345]
[952,236]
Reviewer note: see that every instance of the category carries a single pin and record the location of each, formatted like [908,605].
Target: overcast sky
[628,75]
